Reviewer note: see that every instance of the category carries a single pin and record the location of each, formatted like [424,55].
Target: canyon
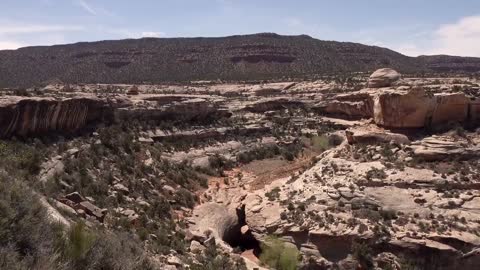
[381,172]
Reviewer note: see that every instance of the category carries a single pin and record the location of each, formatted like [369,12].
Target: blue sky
[412,27]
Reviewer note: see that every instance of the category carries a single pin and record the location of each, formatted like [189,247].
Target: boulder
[65,208]
[53,214]
[121,188]
[345,109]
[174,260]
[272,104]
[92,210]
[371,135]
[75,197]
[383,78]
[386,260]
[168,189]
[195,246]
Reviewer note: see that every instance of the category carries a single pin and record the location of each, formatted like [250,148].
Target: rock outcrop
[402,106]
[25,116]
[374,135]
[395,108]
[32,116]
[348,106]
[82,207]
[272,104]
[383,78]
[437,148]
[345,109]
[223,223]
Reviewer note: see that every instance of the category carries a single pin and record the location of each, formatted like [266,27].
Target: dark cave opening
[241,237]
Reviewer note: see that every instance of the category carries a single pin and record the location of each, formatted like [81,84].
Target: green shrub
[273,194]
[278,255]
[21,159]
[211,259]
[119,251]
[78,242]
[27,238]
[320,143]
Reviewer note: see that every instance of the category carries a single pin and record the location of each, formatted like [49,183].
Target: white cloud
[14,35]
[461,38]
[30,29]
[10,45]
[153,34]
[411,49]
[87,7]
[294,22]
[372,42]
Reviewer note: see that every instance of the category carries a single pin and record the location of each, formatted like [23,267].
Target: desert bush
[21,159]
[291,151]
[273,194]
[375,173]
[78,242]
[219,164]
[119,251]
[388,214]
[30,240]
[185,197]
[11,259]
[320,143]
[258,153]
[27,239]
[363,254]
[211,259]
[278,255]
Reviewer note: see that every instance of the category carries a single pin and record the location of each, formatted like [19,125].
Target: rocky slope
[251,57]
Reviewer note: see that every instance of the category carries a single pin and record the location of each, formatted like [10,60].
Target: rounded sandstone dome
[383,77]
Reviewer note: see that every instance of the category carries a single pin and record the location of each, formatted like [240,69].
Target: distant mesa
[264,56]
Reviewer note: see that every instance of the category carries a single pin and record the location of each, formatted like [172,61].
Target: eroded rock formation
[28,116]
[25,116]
[383,78]
[417,109]
[402,106]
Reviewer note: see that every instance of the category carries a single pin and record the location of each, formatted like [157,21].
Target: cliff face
[23,116]
[172,108]
[415,109]
[31,116]
[400,108]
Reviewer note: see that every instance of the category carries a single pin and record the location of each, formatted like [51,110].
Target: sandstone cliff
[417,109]
[27,116]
